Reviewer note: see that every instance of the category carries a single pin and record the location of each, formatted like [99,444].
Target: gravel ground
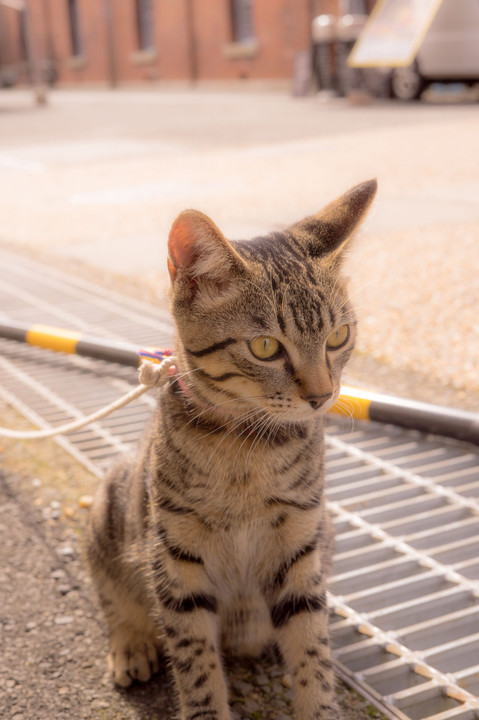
[417,305]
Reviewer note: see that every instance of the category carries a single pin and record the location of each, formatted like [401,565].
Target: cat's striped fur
[216,536]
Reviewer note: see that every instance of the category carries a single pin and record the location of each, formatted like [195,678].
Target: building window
[144,24]
[241,12]
[75,34]
[354,7]
[243,44]
[22,34]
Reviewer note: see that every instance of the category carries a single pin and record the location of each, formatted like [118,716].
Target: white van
[448,53]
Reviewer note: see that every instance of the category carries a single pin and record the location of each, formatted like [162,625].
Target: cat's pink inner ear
[197,246]
[182,244]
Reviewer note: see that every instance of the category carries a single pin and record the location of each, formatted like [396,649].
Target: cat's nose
[316,401]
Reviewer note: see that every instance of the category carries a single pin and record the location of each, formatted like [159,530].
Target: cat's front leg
[300,617]
[188,612]
[305,648]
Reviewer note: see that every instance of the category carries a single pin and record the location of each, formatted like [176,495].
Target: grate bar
[449,623]
[391,469]
[58,402]
[457,713]
[131,310]
[38,420]
[424,538]
[383,642]
[405,552]
[30,299]
[436,604]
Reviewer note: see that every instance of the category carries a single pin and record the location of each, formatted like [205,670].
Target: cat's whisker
[337,289]
[175,379]
[345,304]
[366,284]
[249,431]
[183,373]
[346,406]
[241,421]
[211,408]
[268,433]
[236,422]
[263,427]
[265,434]
[275,430]
[258,430]
[268,298]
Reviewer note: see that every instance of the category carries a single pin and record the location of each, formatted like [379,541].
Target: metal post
[192,44]
[110,43]
[52,67]
[39,88]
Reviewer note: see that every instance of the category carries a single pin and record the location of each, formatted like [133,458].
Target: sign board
[393,33]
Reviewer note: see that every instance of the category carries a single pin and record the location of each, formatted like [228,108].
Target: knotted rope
[150,375]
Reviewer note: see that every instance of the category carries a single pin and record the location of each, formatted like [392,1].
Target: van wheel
[407,83]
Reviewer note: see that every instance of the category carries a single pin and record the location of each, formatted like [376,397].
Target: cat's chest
[256,488]
[248,464]
[242,459]
[231,494]
[229,477]
[238,555]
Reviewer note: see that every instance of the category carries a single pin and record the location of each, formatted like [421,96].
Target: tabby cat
[216,537]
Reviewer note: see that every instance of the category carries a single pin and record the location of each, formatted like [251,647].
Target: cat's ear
[326,232]
[200,255]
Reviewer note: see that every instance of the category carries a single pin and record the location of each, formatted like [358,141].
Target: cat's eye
[265,348]
[338,338]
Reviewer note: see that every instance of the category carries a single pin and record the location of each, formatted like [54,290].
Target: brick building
[127,41]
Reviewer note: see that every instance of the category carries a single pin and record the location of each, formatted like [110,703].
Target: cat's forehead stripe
[282,255]
[280,320]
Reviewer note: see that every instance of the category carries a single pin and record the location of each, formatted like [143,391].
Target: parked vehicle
[448,53]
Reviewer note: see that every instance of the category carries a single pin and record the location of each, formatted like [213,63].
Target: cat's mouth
[304,413]
[302,409]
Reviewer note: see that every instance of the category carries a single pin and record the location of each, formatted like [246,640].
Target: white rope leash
[150,375]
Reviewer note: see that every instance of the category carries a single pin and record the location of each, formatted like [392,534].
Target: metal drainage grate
[405,588]
[51,389]
[405,585]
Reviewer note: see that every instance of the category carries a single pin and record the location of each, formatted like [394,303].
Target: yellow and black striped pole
[71,341]
[353,402]
[411,414]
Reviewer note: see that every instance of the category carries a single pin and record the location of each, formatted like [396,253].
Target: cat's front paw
[132,658]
